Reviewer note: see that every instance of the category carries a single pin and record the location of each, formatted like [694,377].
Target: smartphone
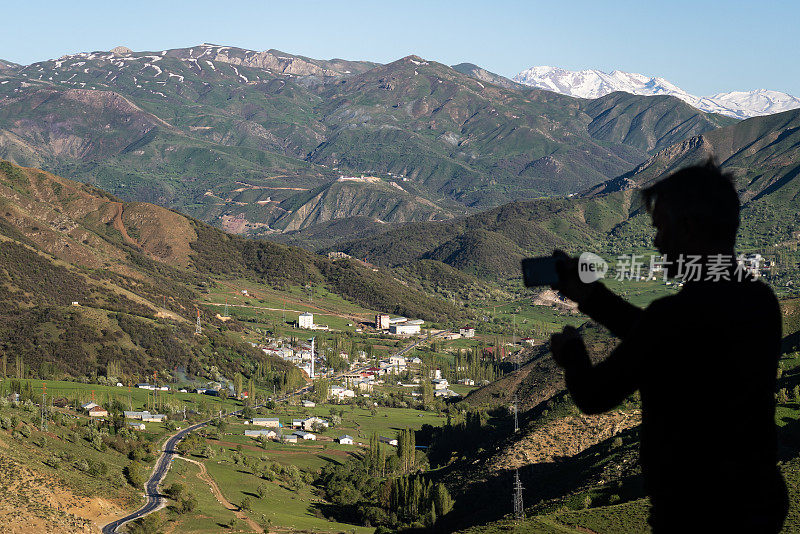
[539,271]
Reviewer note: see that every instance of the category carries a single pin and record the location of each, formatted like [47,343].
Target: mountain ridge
[592,83]
[221,134]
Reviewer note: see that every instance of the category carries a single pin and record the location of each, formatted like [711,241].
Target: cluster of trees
[386,486]
[184,500]
[415,497]
[464,433]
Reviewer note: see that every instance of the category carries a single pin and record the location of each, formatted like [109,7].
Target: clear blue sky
[702,46]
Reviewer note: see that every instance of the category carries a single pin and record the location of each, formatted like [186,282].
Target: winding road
[154,498]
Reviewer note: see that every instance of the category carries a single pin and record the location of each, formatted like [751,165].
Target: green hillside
[762,153]
[89,282]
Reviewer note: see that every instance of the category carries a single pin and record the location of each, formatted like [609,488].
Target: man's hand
[569,282]
[568,348]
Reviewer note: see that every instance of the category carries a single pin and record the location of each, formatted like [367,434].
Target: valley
[318,262]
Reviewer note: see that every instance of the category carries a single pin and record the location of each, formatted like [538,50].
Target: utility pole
[312,357]
[514,335]
[43,424]
[226,306]
[519,506]
[516,411]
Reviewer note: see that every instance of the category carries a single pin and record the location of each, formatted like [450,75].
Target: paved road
[154,498]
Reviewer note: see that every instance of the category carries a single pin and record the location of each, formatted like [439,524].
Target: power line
[519,506]
[43,423]
[516,411]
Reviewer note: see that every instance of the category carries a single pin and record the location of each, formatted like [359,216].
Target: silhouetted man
[704,361]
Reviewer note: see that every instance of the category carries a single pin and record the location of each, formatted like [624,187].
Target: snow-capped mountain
[594,84]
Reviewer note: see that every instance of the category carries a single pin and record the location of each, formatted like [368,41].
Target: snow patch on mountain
[592,83]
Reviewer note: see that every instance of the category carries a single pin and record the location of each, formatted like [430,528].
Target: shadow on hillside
[789,440]
[550,484]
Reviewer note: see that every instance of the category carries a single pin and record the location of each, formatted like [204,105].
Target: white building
[382,322]
[306,320]
[271,422]
[309,404]
[308,424]
[341,393]
[345,440]
[302,434]
[259,433]
[97,411]
[440,383]
[404,329]
[467,332]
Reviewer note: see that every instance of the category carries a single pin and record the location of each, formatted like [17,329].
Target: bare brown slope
[75,222]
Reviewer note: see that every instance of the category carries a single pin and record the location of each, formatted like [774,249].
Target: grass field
[280,505]
[266,305]
[131,397]
[211,516]
[357,422]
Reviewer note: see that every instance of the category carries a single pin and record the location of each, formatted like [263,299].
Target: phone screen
[539,271]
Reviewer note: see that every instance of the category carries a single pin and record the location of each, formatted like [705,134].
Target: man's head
[695,211]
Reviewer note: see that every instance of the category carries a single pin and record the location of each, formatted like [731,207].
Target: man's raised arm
[594,299]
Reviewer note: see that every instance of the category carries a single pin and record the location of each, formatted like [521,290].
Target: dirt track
[120,226]
[205,477]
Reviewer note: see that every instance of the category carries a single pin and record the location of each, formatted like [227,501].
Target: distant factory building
[404,329]
[382,322]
